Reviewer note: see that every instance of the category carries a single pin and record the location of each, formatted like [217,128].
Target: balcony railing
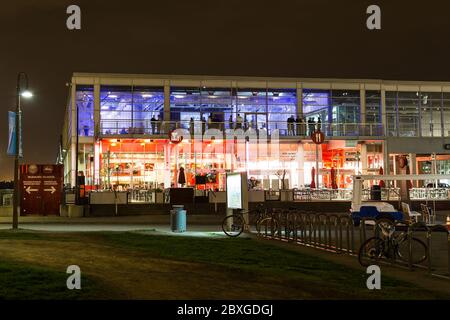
[148,127]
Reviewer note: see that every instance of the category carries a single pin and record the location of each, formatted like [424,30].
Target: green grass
[19,281]
[256,257]
[245,260]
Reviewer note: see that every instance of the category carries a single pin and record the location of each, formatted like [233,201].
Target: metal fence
[337,233]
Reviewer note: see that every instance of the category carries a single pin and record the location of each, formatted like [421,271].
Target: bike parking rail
[324,231]
[337,233]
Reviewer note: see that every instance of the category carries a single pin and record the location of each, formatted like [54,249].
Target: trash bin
[178,218]
[375,193]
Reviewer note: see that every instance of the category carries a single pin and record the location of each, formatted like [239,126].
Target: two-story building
[117,127]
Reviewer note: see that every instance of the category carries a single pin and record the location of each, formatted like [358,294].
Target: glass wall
[128,110]
[85,106]
[373,114]
[251,106]
[391,113]
[414,114]
[148,109]
[282,105]
[317,105]
[345,113]
[408,114]
[211,105]
[224,108]
[431,107]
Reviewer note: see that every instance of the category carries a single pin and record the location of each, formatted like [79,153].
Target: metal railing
[429,193]
[161,127]
[337,233]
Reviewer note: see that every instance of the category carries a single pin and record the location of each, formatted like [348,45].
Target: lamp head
[27,94]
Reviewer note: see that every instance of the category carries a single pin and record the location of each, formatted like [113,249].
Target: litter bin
[178,218]
[375,193]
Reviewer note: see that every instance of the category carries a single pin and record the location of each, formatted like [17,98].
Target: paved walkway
[212,219]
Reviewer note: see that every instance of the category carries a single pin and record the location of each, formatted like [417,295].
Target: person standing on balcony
[239,122]
[319,124]
[153,124]
[158,125]
[291,124]
[203,125]
[210,122]
[230,121]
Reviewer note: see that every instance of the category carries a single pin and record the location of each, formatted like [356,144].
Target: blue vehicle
[375,210]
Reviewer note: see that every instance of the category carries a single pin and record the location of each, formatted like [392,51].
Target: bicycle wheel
[267,226]
[233,225]
[419,250]
[371,251]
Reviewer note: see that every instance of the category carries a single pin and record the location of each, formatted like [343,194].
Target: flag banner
[12,135]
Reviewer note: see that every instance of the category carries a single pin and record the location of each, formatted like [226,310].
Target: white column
[363,158]
[73,150]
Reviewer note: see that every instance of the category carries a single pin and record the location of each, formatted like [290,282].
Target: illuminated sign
[234,191]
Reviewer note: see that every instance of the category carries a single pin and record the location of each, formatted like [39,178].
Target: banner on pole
[12,135]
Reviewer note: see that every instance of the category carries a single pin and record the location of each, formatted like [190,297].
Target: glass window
[408,114]
[129,110]
[116,109]
[148,105]
[346,112]
[391,113]
[213,105]
[373,106]
[282,104]
[85,106]
[373,113]
[431,117]
[317,105]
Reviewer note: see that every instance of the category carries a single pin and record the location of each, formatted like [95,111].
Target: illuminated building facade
[124,125]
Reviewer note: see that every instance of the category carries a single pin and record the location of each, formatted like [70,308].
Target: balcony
[139,128]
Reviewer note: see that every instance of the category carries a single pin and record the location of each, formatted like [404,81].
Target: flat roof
[257,82]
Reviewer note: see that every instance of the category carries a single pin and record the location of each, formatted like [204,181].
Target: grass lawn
[142,265]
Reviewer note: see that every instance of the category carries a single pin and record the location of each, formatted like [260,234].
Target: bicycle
[233,225]
[391,246]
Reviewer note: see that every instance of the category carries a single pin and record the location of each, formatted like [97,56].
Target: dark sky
[298,38]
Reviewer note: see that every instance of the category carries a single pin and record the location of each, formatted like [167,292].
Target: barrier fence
[337,233]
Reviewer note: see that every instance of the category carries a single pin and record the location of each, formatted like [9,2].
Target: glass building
[125,125]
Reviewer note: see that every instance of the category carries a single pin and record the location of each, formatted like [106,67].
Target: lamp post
[20,93]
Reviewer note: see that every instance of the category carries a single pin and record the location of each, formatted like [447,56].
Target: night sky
[286,38]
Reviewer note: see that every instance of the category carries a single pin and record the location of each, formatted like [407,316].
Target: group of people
[300,127]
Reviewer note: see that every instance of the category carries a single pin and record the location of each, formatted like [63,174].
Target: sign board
[40,189]
[12,133]
[318,137]
[237,190]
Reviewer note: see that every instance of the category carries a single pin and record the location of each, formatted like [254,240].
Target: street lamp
[22,92]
